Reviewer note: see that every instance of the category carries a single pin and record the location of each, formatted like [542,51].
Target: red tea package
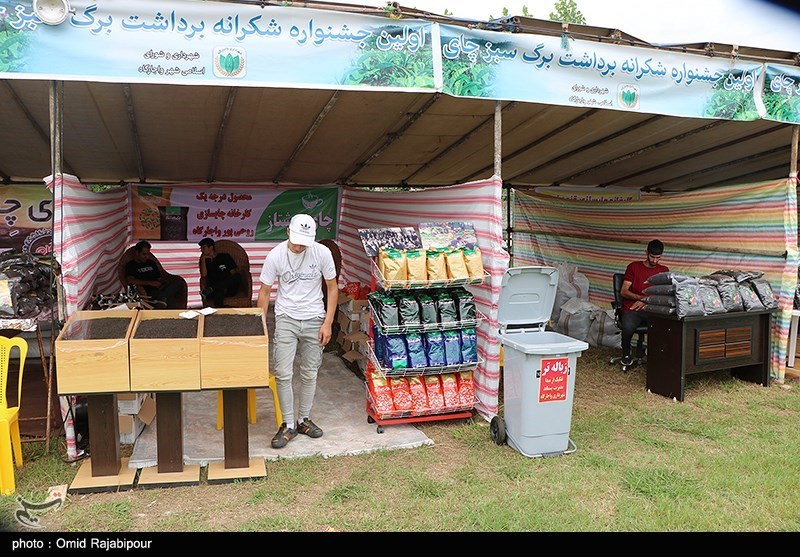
[434,389]
[419,397]
[401,394]
[450,390]
[466,389]
[363,293]
[381,393]
[352,289]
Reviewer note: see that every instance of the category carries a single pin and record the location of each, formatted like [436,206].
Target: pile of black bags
[25,285]
[719,292]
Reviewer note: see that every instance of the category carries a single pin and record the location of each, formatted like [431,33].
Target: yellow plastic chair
[251,404]
[9,417]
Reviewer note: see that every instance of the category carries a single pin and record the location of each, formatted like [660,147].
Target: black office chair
[641,331]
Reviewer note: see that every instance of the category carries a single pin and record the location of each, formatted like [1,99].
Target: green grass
[725,459]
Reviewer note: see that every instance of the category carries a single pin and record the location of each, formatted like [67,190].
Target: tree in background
[567,11]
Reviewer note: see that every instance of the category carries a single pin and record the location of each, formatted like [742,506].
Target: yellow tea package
[417,269]
[472,257]
[456,265]
[394,265]
[435,265]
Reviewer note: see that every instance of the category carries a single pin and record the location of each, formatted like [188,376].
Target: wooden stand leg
[234,406]
[104,434]
[169,432]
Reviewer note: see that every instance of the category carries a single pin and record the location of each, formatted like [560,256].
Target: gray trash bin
[539,366]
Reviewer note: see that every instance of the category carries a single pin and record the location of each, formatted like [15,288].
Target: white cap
[302,230]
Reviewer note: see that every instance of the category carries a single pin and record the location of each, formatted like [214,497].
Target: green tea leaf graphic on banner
[320,203]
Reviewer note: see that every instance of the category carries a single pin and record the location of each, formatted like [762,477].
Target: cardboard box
[352,340]
[130,426]
[148,410]
[130,403]
[351,307]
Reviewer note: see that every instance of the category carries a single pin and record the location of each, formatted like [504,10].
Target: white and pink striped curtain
[90,233]
[477,202]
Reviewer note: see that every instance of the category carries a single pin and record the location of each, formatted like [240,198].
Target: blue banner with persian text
[225,43]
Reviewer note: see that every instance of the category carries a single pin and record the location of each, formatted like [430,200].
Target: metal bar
[391,137]
[470,134]
[126,89]
[793,162]
[540,140]
[694,155]
[590,145]
[212,171]
[498,140]
[309,134]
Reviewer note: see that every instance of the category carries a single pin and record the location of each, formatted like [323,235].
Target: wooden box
[165,363]
[92,365]
[228,362]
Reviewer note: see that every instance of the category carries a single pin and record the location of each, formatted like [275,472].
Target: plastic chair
[251,404]
[9,416]
[182,298]
[244,297]
[641,330]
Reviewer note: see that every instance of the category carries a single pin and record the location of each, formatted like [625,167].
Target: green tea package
[427,309]
[456,265]
[408,308]
[386,308]
[417,266]
[445,307]
[435,265]
[465,303]
[474,262]
[394,265]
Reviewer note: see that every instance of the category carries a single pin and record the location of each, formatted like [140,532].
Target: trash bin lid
[527,295]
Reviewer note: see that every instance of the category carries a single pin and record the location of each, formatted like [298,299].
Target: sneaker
[307,427]
[284,435]
[626,361]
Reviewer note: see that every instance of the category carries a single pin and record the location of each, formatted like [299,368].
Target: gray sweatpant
[291,335]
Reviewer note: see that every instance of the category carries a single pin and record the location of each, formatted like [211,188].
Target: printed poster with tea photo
[437,235]
[376,239]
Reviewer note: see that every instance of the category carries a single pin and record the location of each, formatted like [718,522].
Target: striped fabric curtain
[747,227]
[91,231]
[479,203]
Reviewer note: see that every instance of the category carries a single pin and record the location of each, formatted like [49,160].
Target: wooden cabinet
[680,347]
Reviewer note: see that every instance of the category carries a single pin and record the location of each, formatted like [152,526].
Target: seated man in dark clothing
[633,295]
[220,271]
[149,276]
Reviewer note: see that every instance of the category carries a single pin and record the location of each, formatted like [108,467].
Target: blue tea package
[379,343]
[416,351]
[452,347]
[434,347]
[469,346]
[395,353]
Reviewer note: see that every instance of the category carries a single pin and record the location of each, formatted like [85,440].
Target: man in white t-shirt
[302,322]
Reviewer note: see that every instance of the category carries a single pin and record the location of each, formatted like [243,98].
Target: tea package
[450,390]
[469,346]
[417,266]
[408,309]
[452,347]
[660,290]
[416,351]
[419,396]
[395,353]
[394,264]
[445,307]
[465,303]
[764,290]
[433,388]
[750,299]
[381,392]
[401,394]
[456,265]
[687,296]
[466,389]
[434,348]
[712,303]
[427,309]
[730,296]
[435,265]
[385,307]
[474,262]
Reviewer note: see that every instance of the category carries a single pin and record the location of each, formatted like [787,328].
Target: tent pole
[793,163]
[498,139]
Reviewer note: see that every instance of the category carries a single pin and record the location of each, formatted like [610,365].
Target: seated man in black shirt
[150,278]
[220,271]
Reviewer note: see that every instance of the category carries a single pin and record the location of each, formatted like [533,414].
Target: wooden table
[739,341]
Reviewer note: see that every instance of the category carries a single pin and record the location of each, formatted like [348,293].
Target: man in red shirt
[633,285]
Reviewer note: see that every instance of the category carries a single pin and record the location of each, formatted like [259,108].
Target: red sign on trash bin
[553,379]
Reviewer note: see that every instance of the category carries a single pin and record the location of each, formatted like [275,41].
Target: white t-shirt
[299,279]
